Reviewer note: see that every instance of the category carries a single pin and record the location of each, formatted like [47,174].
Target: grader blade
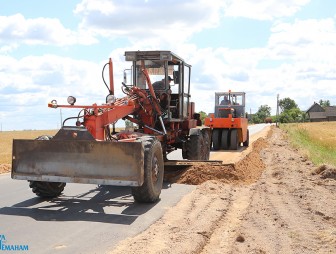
[79,161]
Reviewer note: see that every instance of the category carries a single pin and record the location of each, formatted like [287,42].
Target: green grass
[314,141]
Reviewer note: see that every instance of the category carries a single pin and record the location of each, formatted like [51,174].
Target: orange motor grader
[87,149]
[229,122]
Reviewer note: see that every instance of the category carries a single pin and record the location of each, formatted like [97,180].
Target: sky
[53,49]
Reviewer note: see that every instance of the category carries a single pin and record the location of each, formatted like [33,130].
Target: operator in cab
[163,96]
[160,85]
[225,101]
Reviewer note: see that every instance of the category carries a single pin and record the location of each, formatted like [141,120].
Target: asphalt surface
[86,219]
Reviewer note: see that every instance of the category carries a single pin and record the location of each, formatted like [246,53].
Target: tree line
[289,112]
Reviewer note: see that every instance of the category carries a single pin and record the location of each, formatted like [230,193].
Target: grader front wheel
[150,191]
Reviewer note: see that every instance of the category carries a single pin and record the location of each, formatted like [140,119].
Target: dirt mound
[246,171]
[201,173]
[4,168]
[325,171]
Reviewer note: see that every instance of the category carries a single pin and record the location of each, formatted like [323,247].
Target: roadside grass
[316,140]
[6,141]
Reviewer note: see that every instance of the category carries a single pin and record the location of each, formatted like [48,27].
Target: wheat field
[323,133]
[316,140]
[6,141]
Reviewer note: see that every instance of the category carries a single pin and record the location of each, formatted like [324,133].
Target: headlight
[110,99]
[71,100]
[53,104]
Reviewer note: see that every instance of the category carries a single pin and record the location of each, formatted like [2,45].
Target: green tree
[203,115]
[285,118]
[287,104]
[324,103]
[256,119]
[263,112]
[290,113]
[293,115]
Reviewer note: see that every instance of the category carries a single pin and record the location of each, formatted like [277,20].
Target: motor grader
[229,122]
[90,150]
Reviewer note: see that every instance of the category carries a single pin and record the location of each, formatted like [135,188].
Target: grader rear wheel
[198,147]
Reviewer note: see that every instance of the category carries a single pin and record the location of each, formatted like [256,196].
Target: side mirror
[125,77]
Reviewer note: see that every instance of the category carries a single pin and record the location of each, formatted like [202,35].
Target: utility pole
[277,112]
[61,117]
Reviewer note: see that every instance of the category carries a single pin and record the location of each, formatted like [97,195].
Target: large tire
[216,139]
[225,139]
[150,190]
[197,148]
[247,142]
[234,140]
[207,144]
[47,189]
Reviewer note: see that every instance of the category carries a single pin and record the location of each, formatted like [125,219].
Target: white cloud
[28,84]
[8,48]
[304,32]
[39,31]
[310,47]
[264,9]
[171,20]
[48,77]
[301,57]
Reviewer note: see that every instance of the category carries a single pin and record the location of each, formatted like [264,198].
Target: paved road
[254,129]
[86,219]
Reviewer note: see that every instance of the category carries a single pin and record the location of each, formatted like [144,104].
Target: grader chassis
[90,151]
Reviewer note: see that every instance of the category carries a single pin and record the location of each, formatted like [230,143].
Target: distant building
[316,113]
